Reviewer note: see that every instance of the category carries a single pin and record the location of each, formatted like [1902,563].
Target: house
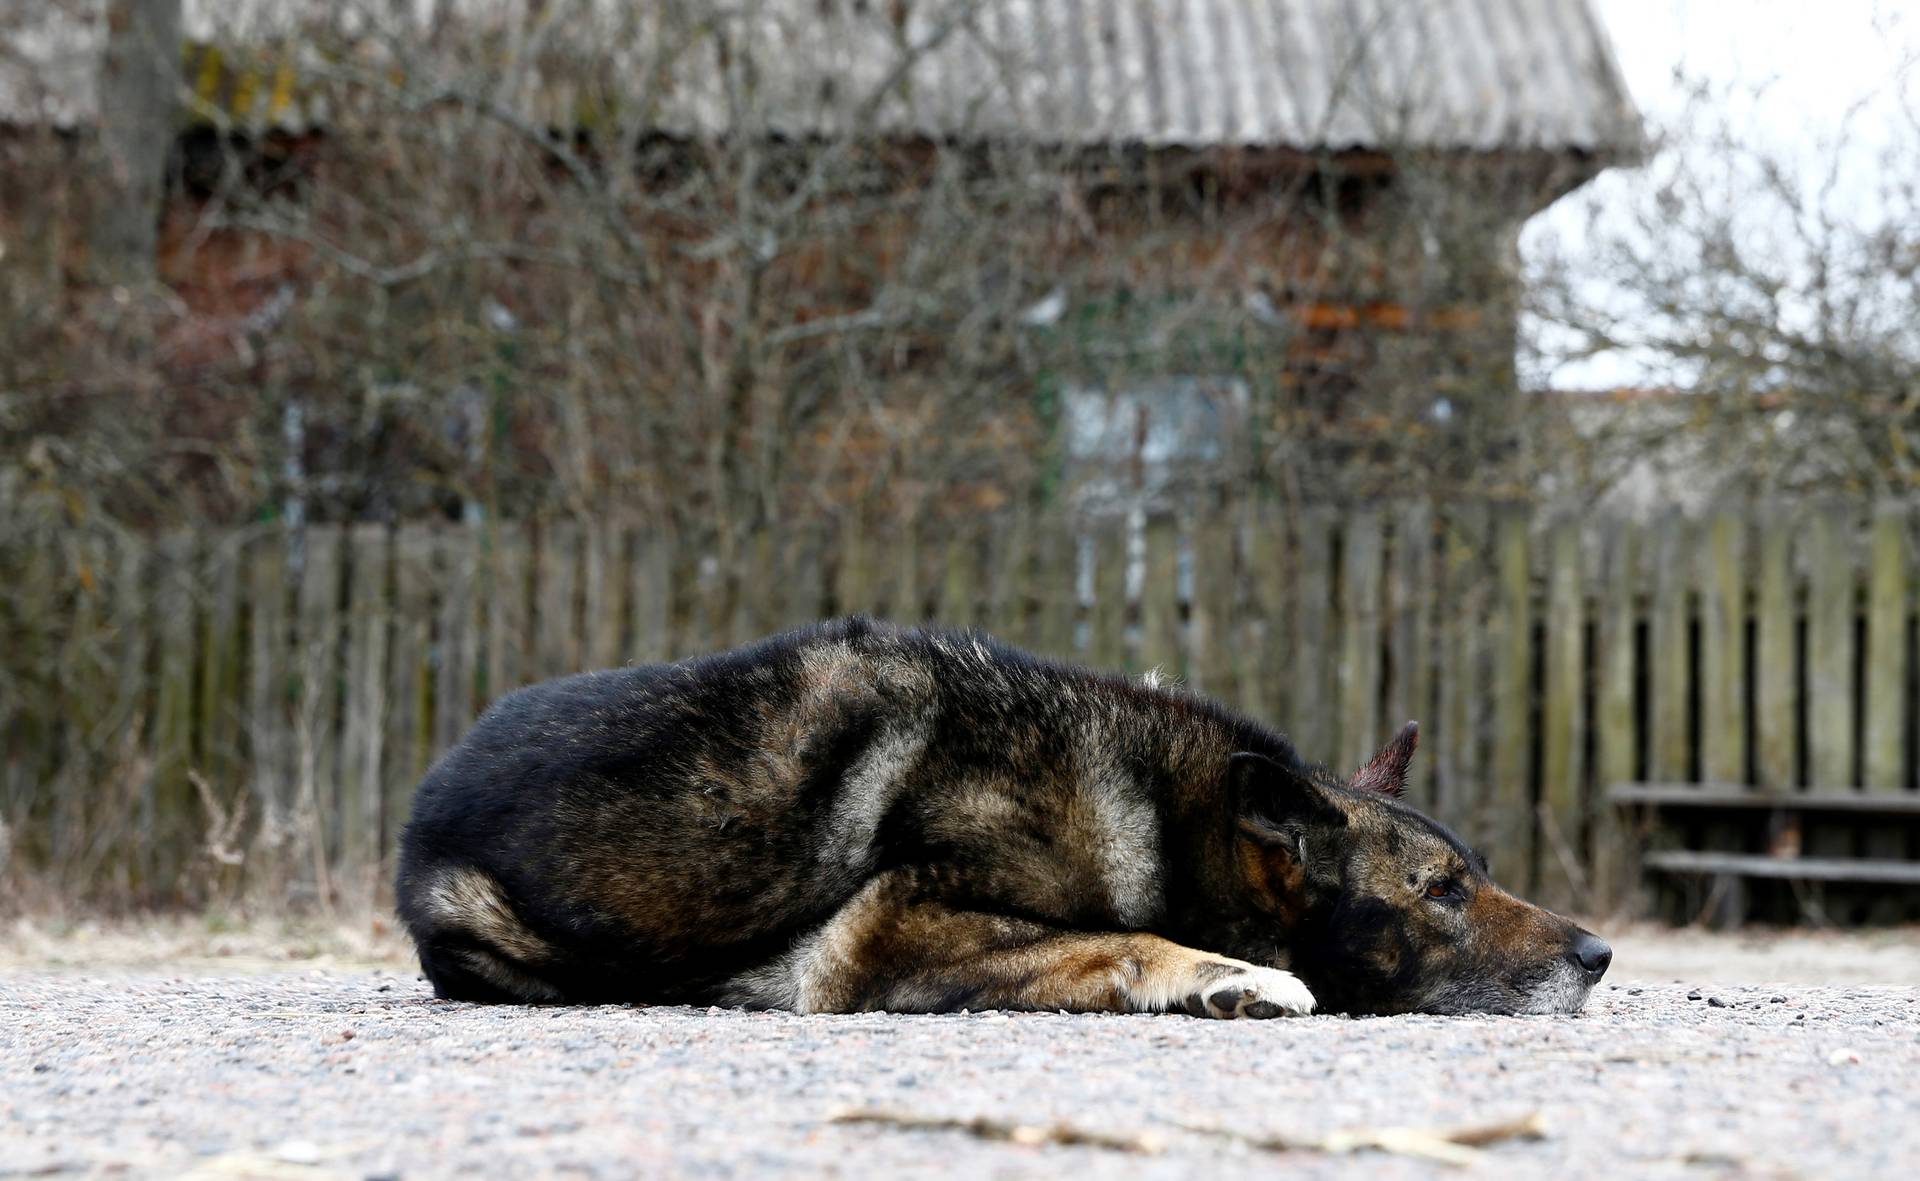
[1309,207]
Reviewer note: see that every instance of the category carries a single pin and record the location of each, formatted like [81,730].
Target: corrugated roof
[1304,74]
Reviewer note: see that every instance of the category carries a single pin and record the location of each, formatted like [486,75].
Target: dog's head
[1383,910]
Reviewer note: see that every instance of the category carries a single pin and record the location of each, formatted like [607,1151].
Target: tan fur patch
[471,901]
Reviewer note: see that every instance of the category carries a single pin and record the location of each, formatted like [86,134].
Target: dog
[855,817]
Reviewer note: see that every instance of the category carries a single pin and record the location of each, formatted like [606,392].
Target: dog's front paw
[1246,990]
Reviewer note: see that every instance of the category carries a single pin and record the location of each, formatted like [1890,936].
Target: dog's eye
[1442,889]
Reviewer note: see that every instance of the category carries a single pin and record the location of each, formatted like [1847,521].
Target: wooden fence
[255,707]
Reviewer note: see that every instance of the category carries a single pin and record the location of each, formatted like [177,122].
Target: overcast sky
[1799,70]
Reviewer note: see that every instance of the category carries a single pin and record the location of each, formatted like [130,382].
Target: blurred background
[1544,370]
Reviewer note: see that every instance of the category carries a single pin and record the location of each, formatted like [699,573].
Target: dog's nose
[1591,953]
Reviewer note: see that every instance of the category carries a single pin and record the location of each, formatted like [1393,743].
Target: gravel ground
[361,1074]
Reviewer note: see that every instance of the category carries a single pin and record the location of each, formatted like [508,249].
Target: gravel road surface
[361,1074]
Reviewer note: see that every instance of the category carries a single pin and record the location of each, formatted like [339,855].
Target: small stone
[41,1068]
[1693,995]
[346,1035]
[1776,1000]
[1844,1057]
[1716,1002]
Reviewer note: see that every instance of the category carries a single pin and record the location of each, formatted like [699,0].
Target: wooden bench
[1783,813]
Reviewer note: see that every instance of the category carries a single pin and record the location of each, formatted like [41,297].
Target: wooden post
[362,752]
[1564,881]
[409,716]
[1615,740]
[1010,578]
[556,622]
[1463,675]
[221,694]
[1668,651]
[175,808]
[606,596]
[1267,640]
[1885,755]
[1057,588]
[269,737]
[1361,731]
[651,577]
[1512,640]
[509,567]
[1109,638]
[1213,671]
[1776,728]
[1409,689]
[1313,720]
[1723,648]
[317,710]
[1160,631]
[853,565]
[1831,590]
[458,645]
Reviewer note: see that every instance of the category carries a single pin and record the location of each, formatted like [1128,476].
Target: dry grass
[205,943]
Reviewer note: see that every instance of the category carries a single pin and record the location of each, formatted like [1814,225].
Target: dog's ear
[1386,772]
[1273,805]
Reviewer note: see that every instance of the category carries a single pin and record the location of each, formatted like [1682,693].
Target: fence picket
[1359,667]
[1315,730]
[1564,881]
[1775,672]
[362,753]
[1511,813]
[1409,687]
[1884,758]
[319,672]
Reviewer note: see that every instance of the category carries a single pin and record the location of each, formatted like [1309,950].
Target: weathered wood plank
[1775,672]
[1213,670]
[1830,648]
[557,647]
[317,706]
[1464,676]
[1410,636]
[222,659]
[651,577]
[269,720]
[1108,633]
[1511,634]
[1615,740]
[1362,564]
[1267,632]
[960,593]
[1723,649]
[853,573]
[1564,878]
[509,573]
[1884,769]
[906,590]
[1830,663]
[363,736]
[1668,650]
[1161,646]
[457,644]
[408,745]
[605,596]
[175,808]
[759,607]
[1010,577]
[1057,590]
[1314,721]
